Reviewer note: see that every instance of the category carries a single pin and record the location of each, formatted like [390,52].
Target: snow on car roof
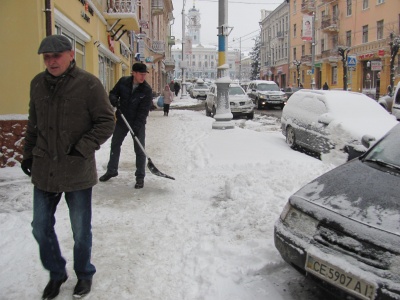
[356,112]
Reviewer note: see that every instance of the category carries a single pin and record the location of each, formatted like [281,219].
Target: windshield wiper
[384,164]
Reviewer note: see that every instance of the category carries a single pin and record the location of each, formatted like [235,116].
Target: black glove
[73,152]
[115,102]
[26,166]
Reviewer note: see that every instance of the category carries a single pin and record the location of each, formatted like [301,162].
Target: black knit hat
[54,43]
[139,67]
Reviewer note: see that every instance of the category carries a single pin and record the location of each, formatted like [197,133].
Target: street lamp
[297,63]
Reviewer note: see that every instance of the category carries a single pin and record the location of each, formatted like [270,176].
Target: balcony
[306,59]
[330,24]
[331,56]
[308,6]
[169,64]
[122,14]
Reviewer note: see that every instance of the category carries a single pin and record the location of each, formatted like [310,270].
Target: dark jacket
[135,106]
[71,112]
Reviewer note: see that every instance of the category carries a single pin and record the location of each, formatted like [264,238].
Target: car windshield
[201,87]
[268,87]
[387,152]
[235,90]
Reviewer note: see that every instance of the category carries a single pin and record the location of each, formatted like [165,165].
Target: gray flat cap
[54,43]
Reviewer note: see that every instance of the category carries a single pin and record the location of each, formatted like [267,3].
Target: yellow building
[361,28]
[106,36]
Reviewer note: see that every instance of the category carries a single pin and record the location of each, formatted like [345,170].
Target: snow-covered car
[199,90]
[343,230]
[265,93]
[240,103]
[326,120]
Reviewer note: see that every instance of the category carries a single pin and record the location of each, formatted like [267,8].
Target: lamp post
[183,63]
[297,63]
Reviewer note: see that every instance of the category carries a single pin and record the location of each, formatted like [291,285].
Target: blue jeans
[118,137]
[80,214]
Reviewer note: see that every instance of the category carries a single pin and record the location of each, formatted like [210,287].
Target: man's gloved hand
[26,166]
[115,102]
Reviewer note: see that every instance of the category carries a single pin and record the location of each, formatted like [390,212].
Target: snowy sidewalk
[206,235]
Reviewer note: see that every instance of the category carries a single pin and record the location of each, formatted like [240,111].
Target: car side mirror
[367,140]
[325,119]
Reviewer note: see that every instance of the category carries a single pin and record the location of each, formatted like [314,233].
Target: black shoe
[107,176]
[82,288]
[52,288]
[139,184]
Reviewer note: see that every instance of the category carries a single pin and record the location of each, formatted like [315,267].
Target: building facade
[275,45]
[107,36]
[306,36]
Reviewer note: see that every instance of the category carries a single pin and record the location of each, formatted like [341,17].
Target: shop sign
[381,52]
[366,56]
[149,59]
[376,65]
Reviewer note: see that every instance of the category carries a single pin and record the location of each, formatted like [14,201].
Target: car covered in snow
[240,104]
[322,121]
[199,90]
[343,228]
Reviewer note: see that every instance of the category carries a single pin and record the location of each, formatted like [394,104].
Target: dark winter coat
[71,113]
[135,106]
[177,87]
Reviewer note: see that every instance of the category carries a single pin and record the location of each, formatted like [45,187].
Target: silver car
[321,120]
[240,103]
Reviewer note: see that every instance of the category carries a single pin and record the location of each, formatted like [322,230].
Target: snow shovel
[150,164]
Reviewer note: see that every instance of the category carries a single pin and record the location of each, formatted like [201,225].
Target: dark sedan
[290,90]
[343,228]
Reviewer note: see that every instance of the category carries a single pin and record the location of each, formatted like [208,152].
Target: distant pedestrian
[301,85]
[325,86]
[177,88]
[171,85]
[168,98]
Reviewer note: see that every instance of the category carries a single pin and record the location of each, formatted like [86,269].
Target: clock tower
[194,25]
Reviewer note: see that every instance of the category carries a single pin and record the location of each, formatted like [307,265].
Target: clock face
[194,20]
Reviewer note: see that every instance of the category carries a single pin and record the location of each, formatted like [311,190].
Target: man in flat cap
[133,97]
[69,118]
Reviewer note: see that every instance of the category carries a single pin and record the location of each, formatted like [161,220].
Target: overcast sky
[243,16]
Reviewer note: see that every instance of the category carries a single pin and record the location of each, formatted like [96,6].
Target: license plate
[274,101]
[342,279]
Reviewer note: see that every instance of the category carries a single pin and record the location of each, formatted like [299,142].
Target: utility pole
[183,62]
[223,116]
[313,52]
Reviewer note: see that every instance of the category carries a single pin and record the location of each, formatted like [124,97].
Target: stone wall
[12,134]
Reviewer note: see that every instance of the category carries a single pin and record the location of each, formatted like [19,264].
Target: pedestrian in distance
[69,118]
[133,97]
[171,85]
[177,88]
[325,86]
[168,98]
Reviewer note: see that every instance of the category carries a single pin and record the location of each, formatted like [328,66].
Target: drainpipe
[47,12]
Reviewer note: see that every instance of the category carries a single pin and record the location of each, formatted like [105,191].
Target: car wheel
[290,137]
[250,116]
[208,112]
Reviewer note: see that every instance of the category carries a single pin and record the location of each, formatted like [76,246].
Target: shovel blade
[155,171]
